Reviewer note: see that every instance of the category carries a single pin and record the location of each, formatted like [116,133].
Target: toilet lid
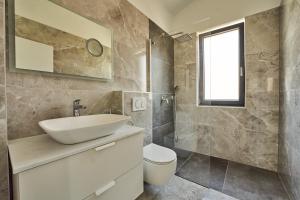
[158,154]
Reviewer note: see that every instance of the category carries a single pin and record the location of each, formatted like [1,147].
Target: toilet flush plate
[139,104]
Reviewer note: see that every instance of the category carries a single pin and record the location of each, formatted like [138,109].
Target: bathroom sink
[71,130]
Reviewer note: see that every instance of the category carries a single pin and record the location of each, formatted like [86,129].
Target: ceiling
[174,6]
[199,15]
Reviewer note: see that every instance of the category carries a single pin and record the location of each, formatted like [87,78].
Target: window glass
[222,79]
[221,66]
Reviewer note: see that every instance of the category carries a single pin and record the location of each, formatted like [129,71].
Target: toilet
[159,164]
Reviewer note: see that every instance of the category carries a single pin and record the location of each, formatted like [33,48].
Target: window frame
[241,101]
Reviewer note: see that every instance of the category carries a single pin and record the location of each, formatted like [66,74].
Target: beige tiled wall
[122,104]
[162,82]
[143,118]
[4,189]
[289,134]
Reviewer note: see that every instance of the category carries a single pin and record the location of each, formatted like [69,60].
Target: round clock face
[94,47]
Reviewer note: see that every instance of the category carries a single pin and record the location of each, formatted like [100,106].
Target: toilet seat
[158,155]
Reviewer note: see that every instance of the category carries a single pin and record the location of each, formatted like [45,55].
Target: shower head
[179,33]
[170,35]
[184,38]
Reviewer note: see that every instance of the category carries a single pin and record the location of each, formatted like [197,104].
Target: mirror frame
[11,52]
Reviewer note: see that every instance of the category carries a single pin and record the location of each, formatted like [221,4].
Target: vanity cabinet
[110,171]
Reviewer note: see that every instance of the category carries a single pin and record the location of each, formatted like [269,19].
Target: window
[222,68]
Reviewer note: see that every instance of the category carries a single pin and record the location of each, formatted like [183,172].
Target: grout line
[188,158]
[225,176]
[205,186]
[290,196]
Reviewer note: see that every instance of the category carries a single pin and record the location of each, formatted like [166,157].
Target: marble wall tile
[224,142]
[162,111]
[129,25]
[182,51]
[263,64]
[48,104]
[204,143]
[164,135]
[162,60]
[162,85]
[258,147]
[289,135]
[267,23]
[187,142]
[4,180]
[162,45]
[234,133]
[117,102]
[186,115]
[36,96]
[141,119]
[4,185]
[162,78]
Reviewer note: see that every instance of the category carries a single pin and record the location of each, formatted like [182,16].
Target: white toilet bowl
[159,164]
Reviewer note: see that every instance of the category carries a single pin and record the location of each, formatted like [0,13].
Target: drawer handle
[105,146]
[105,188]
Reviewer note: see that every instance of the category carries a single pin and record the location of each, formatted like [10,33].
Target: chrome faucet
[77,107]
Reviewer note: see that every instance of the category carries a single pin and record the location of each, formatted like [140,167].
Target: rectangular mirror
[49,38]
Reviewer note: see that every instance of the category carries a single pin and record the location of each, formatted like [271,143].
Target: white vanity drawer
[127,187]
[78,176]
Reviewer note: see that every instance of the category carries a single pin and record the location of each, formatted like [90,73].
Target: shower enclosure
[171,127]
[214,141]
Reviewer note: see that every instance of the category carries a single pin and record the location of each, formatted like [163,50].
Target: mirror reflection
[50,38]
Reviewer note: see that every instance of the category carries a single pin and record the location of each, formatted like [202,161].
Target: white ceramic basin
[71,130]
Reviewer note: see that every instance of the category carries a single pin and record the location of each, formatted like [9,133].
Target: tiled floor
[181,189]
[250,183]
[196,169]
[236,180]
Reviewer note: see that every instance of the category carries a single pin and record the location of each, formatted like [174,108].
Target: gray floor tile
[176,189]
[237,180]
[218,169]
[216,195]
[181,189]
[250,183]
[204,170]
[182,157]
[196,169]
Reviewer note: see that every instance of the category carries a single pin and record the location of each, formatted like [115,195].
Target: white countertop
[30,152]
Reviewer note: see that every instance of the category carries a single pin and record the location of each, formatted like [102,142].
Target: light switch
[139,103]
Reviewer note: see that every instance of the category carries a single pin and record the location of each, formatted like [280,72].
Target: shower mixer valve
[165,99]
